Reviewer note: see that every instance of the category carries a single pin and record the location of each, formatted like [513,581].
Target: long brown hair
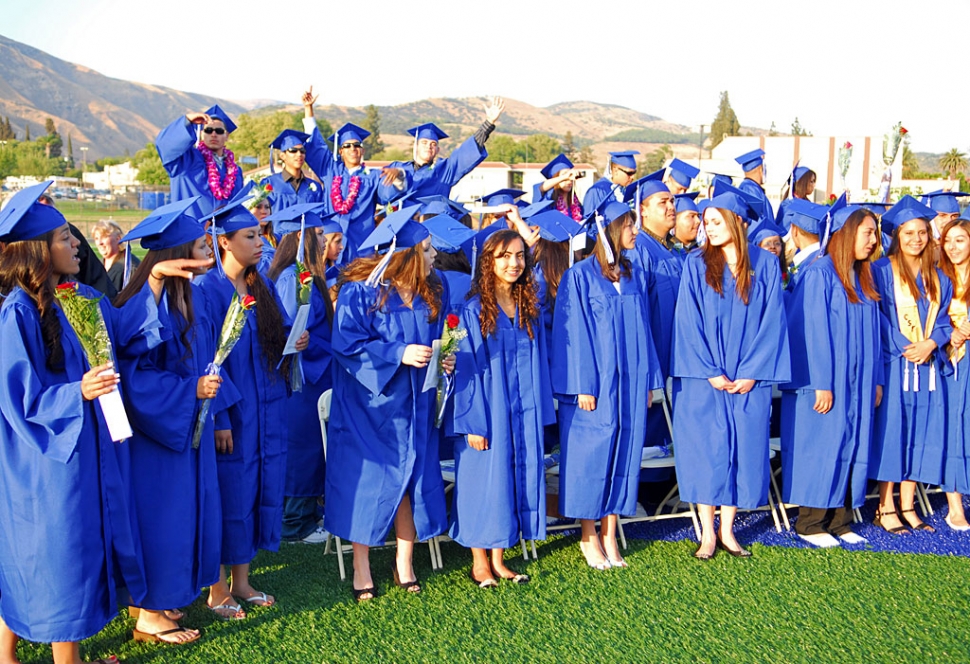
[523,290]
[949,269]
[178,291]
[27,264]
[553,257]
[801,186]
[613,231]
[841,248]
[715,262]
[285,256]
[269,319]
[405,271]
[926,266]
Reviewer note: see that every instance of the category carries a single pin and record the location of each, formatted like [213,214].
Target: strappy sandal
[487,584]
[360,592]
[898,530]
[925,527]
[413,587]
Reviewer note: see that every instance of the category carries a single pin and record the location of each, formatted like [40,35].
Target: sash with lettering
[958,316]
[907,312]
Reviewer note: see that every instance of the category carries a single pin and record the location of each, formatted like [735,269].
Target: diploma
[431,379]
[299,327]
[114,413]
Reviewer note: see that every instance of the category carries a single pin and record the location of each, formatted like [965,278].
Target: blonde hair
[106,227]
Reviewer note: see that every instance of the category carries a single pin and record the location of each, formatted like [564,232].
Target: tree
[6,131]
[539,148]
[70,151]
[953,162]
[798,130]
[569,145]
[49,126]
[654,161]
[254,133]
[772,131]
[27,131]
[726,123]
[585,155]
[910,163]
[502,148]
[372,123]
[149,165]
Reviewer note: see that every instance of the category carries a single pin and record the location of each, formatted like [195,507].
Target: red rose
[903,130]
[848,145]
[248,302]
[67,286]
[832,198]
[452,321]
[269,187]
[306,278]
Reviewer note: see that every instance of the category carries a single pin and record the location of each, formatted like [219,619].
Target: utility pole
[700,146]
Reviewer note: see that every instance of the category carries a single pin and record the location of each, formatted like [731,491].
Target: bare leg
[66,653]
[608,538]
[956,516]
[481,570]
[8,645]
[219,595]
[589,544]
[887,506]
[362,575]
[405,532]
[499,566]
[708,538]
[728,515]
[242,589]
[154,622]
[907,496]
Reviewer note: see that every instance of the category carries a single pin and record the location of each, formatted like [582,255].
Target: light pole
[84,160]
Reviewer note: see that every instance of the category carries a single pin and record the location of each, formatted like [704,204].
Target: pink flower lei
[341,206]
[575,209]
[222,191]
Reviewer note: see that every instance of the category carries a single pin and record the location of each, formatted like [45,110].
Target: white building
[119,178]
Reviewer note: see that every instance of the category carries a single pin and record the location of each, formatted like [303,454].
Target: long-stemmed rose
[451,335]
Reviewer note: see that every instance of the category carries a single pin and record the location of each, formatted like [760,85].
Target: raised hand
[494,109]
[198,118]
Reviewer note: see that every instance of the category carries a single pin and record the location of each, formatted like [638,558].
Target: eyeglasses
[348,146]
[296,151]
[218,131]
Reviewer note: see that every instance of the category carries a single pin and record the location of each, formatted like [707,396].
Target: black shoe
[740,553]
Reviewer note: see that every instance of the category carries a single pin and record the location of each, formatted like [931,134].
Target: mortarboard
[428,131]
[685,202]
[438,204]
[739,202]
[349,132]
[289,138]
[555,226]
[808,216]
[557,164]
[167,227]
[216,113]
[501,197]
[624,158]
[944,202]
[762,230]
[751,160]
[447,233]
[907,209]
[682,172]
[23,218]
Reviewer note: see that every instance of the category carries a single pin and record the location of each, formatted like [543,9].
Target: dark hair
[782,257]
[715,262]
[553,257]
[612,233]
[285,256]
[456,262]
[841,248]
[523,290]
[926,268]
[801,186]
[27,264]
[179,291]
[949,269]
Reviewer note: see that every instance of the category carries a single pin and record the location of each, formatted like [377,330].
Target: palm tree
[953,162]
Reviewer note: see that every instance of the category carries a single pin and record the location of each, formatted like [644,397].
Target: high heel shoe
[740,553]
[601,566]
[953,526]
[925,527]
[898,530]
[413,587]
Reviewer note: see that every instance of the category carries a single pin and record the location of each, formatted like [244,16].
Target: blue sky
[843,67]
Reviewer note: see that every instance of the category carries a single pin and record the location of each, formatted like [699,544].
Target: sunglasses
[347,146]
[296,151]
[218,131]
[626,172]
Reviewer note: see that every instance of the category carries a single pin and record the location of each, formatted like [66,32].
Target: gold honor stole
[907,312]
[958,316]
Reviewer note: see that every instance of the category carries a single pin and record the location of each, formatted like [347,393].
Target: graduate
[679,175]
[603,370]
[687,224]
[805,223]
[503,399]
[501,203]
[908,442]
[765,235]
[799,187]
[448,237]
[351,193]
[836,376]
[946,206]
[180,535]
[559,186]
[194,154]
[730,345]
[621,171]
[430,176]
[250,436]
[303,230]
[58,464]
[383,466]
[753,184]
[293,184]
[955,264]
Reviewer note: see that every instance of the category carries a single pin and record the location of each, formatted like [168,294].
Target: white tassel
[299,248]
[932,378]
[639,221]
[610,258]
[906,377]
[474,257]
[915,378]
[377,274]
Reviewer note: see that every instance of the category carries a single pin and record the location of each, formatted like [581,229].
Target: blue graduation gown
[908,440]
[502,393]
[601,350]
[594,195]
[796,272]
[251,478]
[663,268]
[66,523]
[284,195]
[835,346]
[186,167]
[956,470]
[438,178]
[721,439]
[749,186]
[459,284]
[305,461]
[176,499]
[381,440]
[359,222]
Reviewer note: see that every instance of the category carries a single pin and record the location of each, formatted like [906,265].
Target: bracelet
[151,275]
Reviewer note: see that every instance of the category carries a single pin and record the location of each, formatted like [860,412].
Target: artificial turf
[782,605]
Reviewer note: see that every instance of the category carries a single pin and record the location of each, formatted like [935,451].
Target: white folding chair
[323,412]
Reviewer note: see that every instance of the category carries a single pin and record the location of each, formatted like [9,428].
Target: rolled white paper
[114,413]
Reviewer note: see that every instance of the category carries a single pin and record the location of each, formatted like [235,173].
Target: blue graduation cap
[296,217]
[762,230]
[234,216]
[907,209]
[438,204]
[397,232]
[167,227]
[751,160]
[216,113]
[528,211]
[555,226]
[739,202]
[702,206]
[473,246]
[428,131]
[720,177]
[625,159]
[289,138]
[682,172]
[349,132]
[944,202]
[558,163]
[605,214]
[501,197]
[646,186]
[876,208]
[447,233]
[23,218]
[839,217]
[807,215]
[686,202]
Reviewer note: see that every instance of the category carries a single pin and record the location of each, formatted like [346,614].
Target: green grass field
[782,605]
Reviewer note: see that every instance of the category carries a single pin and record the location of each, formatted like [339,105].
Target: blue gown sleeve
[471,363]
[943,327]
[286,288]
[138,326]
[319,157]
[49,418]
[357,344]
[173,142]
[460,163]
[691,355]
[574,369]
[594,196]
